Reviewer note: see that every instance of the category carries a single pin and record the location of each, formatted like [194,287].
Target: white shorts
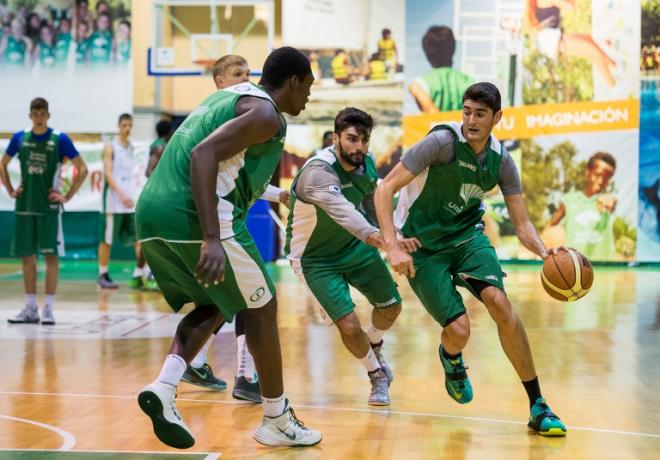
[548,41]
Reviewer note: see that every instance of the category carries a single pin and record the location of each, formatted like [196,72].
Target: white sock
[172,370]
[137,272]
[199,360]
[31,301]
[370,362]
[146,270]
[103,269]
[375,335]
[240,355]
[50,300]
[273,407]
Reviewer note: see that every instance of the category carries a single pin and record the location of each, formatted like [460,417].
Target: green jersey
[446,87]
[330,233]
[62,46]
[40,167]
[124,51]
[82,48]
[47,55]
[166,207]
[442,206]
[100,47]
[15,51]
[587,229]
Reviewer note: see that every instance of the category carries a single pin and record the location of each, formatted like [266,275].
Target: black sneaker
[104,282]
[246,391]
[203,377]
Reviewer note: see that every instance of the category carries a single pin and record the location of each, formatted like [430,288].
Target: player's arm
[81,166]
[110,180]
[318,184]
[276,195]
[525,230]
[423,100]
[256,123]
[558,215]
[6,180]
[154,158]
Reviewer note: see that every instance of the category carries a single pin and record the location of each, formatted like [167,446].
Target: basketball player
[38,227]
[443,179]
[191,220]
[331,244]
[119,195]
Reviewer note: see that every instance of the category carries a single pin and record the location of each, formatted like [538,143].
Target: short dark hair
[163,128]
[125,22]
[386,32]
[125,116]
[326,134]
[350,116]
[439,45]
[222,65]
[602,156]
[282,64]
[38,103]
[486,93]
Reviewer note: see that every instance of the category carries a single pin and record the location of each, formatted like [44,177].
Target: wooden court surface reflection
[74,385]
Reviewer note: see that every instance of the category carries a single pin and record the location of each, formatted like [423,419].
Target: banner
[76,57]
[569,77]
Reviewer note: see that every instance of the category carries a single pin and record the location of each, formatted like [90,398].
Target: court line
[209,456]
[349,409]
[144,325]
[69,439]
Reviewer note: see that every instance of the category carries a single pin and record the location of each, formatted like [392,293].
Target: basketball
[567,275]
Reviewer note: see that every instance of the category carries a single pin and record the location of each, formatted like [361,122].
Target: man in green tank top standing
[332,244]
[191,221]
[38,228]
[443,179]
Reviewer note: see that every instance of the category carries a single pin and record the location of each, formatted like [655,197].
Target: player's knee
[499,306]
[349,325]
[459,329]
[390,313]
[29,261]
[51,261]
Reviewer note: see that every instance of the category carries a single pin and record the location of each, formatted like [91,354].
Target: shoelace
[296,420]
[459,366]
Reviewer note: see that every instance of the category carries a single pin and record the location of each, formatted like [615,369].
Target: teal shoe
[457,382]
[543,421]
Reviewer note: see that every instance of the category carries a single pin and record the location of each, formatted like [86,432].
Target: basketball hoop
[206,64]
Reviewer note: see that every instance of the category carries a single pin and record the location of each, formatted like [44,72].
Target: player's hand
[285,196]
[56,197]
[127,201]
[410,245]
[606,203]
[211,266]
[17,192]
[399,259]
[552,251]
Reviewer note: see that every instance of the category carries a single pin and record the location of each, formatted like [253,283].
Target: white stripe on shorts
[297,269]
[249,277]
[109,223]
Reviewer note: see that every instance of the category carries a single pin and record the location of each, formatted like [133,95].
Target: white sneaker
[286,430]
[47,317]
[26,315]
[157,401]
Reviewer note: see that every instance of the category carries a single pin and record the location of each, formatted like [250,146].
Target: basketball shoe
[137,282]
[157,401]
[246,390]
[286,430]
[543,421]
[105,282]
[457,381]
[47,318]
[203,377]
[28,315]
[380,387]
[378,351]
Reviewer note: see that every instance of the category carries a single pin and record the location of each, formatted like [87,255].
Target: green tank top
[124,51]
[100,47]
[442,207]
[166,207]
[587,229]
[15,51]
[312,235]
[82,47]
[446,87]
[40,168]
[47,55]
[62,48]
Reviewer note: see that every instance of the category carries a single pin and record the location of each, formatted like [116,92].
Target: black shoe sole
[246,396]
[13,321]
[168,433]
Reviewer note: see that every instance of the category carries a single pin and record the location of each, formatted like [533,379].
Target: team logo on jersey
[469,191]
[334,188]
[465,164]
[242,88]
[257,295]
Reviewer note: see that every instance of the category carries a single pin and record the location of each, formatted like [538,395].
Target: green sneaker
[457,382]
[136,283]
[151,284]
[543,421]
[203,377]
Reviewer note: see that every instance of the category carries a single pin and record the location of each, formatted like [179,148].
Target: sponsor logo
[334,188]
[348,185]
[35,170]
[469,191]
[201,373]
[258,294]
[469,166]
[392,301]
[291,436]
[454,208]
[199,111]
[491,277]
[242,88]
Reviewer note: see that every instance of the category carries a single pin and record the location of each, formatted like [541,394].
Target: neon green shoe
[457,382]
[152,285]
[543,421]
[136,283]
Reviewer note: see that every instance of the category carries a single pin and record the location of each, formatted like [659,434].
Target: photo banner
[569,75]
[75,55]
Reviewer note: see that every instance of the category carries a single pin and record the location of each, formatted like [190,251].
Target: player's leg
[52,276]
[107,234]
[481,273]
[434,286]
[584,46]
[24,245]
[199,371]
[246,381]
[51,241]
[128,237]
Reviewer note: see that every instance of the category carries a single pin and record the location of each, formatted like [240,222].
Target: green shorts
[438,273]
[246,284]
[330,291]
[118,227]
[38,234]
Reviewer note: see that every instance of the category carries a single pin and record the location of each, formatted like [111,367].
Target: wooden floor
[72,387]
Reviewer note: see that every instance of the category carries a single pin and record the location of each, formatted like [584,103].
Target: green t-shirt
[587,229]
[124,51]
[62,46]
[82,49]
[47,55]
[166,207]
[15,51]
[100,47]
[446,87]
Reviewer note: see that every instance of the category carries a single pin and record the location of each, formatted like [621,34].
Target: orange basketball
[567,275]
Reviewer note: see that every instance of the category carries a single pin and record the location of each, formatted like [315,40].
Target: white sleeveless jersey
[123,172]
